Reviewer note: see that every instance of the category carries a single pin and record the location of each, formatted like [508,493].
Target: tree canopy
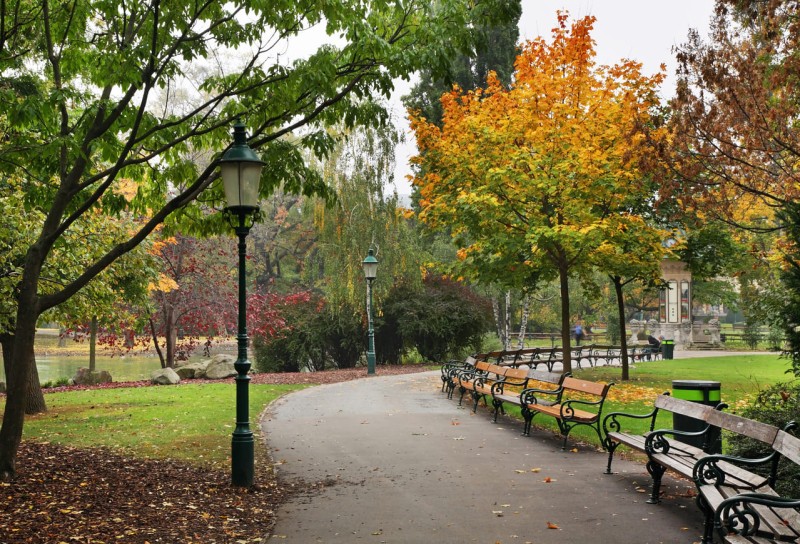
[122,108]
[529,179]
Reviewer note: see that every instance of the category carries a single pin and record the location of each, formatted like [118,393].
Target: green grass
[192,422]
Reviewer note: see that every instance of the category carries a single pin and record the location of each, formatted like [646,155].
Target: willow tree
[527,178]
[96,92]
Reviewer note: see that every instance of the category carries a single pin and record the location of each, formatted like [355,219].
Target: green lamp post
[370,265]
[240,169]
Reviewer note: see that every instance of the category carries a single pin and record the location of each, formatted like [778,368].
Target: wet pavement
[391,460]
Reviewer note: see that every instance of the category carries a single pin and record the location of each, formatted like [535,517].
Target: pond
[122,369]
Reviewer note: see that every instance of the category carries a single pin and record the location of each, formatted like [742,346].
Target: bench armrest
[656,441]
[611,423]
[708,472]
[736,515]
[499,385]
[568,406]
[528,396]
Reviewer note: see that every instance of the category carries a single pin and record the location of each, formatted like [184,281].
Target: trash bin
[668,347]
[702,392]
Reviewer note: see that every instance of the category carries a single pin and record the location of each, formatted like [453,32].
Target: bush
[312,336]
[777,405]
[446,319]
[297,345]
[752,334]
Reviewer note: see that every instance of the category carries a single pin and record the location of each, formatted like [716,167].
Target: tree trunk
[93,344]
[623,335]
[34,398]
[155,344]
[498,321]
[507,322]
[171,334]
[18,374]
[566,346]
[526,311]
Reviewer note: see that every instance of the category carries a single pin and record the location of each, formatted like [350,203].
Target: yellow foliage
[165,284]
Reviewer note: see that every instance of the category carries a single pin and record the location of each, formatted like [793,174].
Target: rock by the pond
[84,376]
[193,370]
[165,376]
[221,367]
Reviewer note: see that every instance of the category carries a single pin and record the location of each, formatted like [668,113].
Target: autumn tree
[736,145]
[527,179]
[193,294]
[97,92]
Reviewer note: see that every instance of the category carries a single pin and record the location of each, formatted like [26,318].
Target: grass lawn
[740,377]
[191,422]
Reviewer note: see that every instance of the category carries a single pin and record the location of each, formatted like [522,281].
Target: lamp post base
[242,459]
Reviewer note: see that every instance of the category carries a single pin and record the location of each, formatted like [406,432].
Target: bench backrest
[584,386]
[547,377]
[482,366]
[788,446]
[724,420]
[516,373]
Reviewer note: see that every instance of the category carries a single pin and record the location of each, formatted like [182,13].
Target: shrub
[776,405]
[446,319]
[305,333]
[752,334]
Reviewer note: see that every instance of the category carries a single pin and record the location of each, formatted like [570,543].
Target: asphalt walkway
[392,460]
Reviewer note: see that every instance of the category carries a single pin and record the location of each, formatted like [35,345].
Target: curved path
[391,460]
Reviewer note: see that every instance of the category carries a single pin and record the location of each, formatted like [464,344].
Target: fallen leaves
[69,495]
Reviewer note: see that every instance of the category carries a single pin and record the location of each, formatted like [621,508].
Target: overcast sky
[642,30]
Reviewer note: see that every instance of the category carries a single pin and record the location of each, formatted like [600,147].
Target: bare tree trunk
[171,334]
[523,326]
[93,344]
[18,374]
[155,344]
[507,322]
[498,321]
[623,336]
[566,346]
[34,399]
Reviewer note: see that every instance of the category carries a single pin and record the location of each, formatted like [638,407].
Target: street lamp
[240,169]
[370,265]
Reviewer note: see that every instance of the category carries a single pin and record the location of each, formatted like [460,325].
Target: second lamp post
[370,264]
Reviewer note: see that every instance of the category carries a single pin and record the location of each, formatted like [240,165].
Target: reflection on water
[122,369]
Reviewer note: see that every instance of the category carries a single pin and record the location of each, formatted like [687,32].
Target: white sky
[642,30]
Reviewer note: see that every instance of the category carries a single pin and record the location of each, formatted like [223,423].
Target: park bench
[575,403]
[662,453]
[749,511]
[451,367]
[507,390]
[478,382]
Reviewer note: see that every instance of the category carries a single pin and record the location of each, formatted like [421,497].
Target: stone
[165,376]
[84,376]
[221,367]
[193,370]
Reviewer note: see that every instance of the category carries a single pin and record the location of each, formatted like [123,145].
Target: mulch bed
[93,496]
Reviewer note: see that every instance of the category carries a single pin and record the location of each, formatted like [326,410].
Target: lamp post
[240,169]
[370,265]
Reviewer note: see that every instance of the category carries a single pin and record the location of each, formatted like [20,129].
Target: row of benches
[740,505]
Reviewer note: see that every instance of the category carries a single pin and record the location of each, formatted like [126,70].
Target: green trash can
[668,349]
[702,392]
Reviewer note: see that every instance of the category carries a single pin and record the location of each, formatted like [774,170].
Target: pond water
[122,369]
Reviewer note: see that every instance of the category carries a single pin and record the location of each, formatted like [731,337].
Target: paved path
[391,460]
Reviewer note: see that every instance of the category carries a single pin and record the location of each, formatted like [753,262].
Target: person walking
[578,333]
